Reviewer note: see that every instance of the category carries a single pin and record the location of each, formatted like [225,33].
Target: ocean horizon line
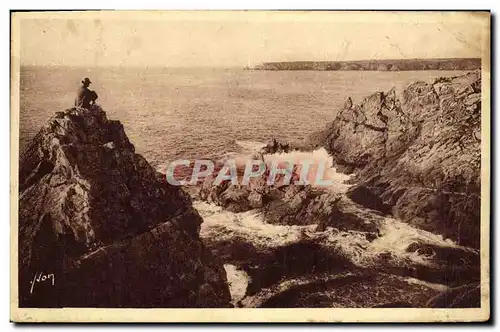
[246,66]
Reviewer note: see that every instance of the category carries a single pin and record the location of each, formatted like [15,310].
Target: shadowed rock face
[417,156]
[97,215]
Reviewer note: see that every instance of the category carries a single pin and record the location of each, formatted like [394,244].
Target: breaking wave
[315,158]
[221,224]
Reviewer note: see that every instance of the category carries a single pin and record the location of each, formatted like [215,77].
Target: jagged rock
[95,214]
[275,146]
[255,200]
[417,155]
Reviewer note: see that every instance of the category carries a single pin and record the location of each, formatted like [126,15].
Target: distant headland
[375,65]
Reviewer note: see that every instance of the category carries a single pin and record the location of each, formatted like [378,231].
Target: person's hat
[86,80]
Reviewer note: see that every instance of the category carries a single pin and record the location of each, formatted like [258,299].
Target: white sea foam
[392,242]
[248,225]
[315,158]
[238,282]
[395,236]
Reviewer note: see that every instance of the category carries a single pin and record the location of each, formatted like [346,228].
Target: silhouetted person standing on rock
[84,96]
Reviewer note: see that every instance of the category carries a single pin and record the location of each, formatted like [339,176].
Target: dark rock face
[417,156]
[95,214]
[275,146]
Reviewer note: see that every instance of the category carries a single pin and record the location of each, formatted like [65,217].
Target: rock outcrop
[275,146]
[416,156]
[98,217]
[290,204]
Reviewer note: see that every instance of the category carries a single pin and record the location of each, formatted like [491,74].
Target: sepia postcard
[205,166]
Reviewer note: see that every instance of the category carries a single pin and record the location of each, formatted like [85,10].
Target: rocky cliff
[97,216]
[416,156]
[416,184]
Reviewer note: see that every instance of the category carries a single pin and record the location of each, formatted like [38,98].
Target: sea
[187,113]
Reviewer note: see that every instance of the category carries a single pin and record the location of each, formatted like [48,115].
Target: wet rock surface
[95,214]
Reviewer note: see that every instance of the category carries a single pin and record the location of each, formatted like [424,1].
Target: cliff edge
[416,156]
[96,216]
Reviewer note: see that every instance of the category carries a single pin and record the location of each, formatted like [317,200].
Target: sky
[217,39]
